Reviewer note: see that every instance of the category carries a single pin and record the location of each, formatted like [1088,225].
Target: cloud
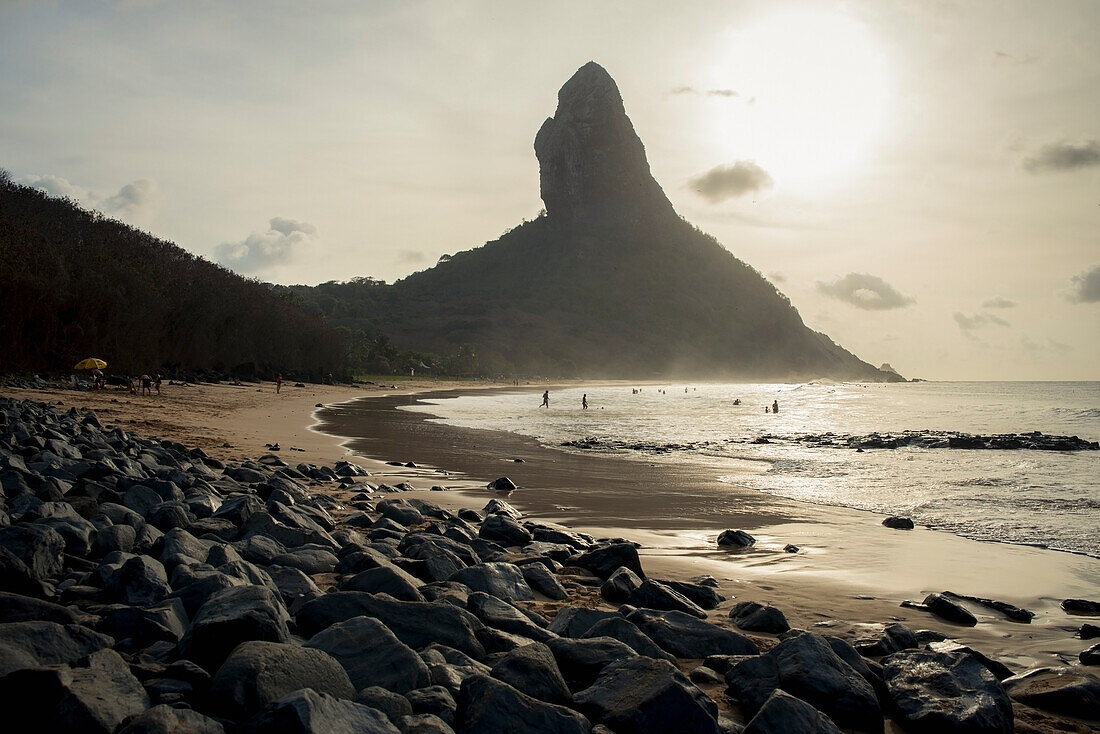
[709,92]
[682,90]
[1064,156]
[263,250]
[999,302]
[865,291]
[134,199]
[55,186]
[1086,286]
[729,182]
[777,277]
[1029,345]
[722,93]
[978,321]
[1007,58]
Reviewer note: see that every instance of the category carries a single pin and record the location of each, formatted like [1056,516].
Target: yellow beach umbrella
[91,363]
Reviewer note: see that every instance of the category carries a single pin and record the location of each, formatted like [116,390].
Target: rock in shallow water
[735,539]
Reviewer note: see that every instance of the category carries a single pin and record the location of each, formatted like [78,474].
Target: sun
[813,93]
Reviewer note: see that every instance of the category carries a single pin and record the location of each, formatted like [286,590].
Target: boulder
[230,617]
[688,637]
[166,621]
[400,511]
[435,700]
[36,644]
[898,523]
[308,712]
[488,706]
[307,560]
[735,539]
[387,579]
[1063,691]
[532,669]
[641,695]
[943,692]
[753,617]
[372,655]
[618,628]
[655,595]
[1081,606]
[114,538]
[620,585]
[605,560]
[40,548]
[572,621]
[543,582]
[701,594]
[946,608]
[501,484]
[502,616]
[19,608]
[140,581]
[581,661]
[258,673]
[502,580]
[393,705]
[165,719]
[894,638]
[424,723]
[417,624]
[504,530]
[782,713]
[294,586]
[1090,655]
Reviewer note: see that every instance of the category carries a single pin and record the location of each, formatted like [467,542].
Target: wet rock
[488,706]
[502,580]
[140,581]
[532,669]
[258,673]
[400,511]
[36,644]
[782,713]
[753,617]
[946,608]
[386,579]
[605,560]
[307,560]
[1090,655]
[504,530]
[939,692]
[735,539]
[1088,631]
[501,615]
[701,594]
[543,582]
[294,586]
[372,655]
[164,719]
[618,628]
[308,712]
[580,661]
[501,484]
[641,695]
[574,621]
[417,624]
[999,670]
[806,667]
[230,617]
[687,637]
[898,523]
[655,595]
[620,585]
[1011,611]
[894,638]
[1063,691]
[1069,606]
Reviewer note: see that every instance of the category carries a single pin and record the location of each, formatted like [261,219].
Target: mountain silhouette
[609,282]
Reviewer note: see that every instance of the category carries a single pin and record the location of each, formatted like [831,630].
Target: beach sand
[849,576]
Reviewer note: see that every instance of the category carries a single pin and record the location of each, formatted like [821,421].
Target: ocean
[808,450]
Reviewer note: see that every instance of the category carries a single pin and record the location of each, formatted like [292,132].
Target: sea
[823,446]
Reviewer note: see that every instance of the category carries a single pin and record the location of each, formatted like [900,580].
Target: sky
[920,177]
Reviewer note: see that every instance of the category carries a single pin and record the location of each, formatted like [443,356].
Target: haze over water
[1045,498]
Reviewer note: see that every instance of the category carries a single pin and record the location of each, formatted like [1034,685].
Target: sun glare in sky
[812,98]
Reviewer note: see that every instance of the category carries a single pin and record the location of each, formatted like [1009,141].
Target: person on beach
[767,409]
[146,384]
[584,401]
[545,400]
[278,382]
[156,382]
[775,406]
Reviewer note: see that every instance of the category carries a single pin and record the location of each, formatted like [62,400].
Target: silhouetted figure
[584,401]
[146,384]
[737,401]
[545,400]
[767,409]
[156,382]
[278,382]
[775,406]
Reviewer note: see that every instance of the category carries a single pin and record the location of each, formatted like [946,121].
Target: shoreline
[848,579]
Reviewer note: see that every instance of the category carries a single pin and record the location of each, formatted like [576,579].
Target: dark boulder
[942,692]
[372,655]
[894,638]
[1081,606]
[504,530]
[307,560]
[688,637]
[140,581]
[543,582]
[501,615]
[580,661]
[308,712]
[386,579]
[572,621]
[641,695]
[735,539]
[114,538]
[603,561]
[898,523]
[620,585]
[393,705]
[258,673]
[40,548]
[19,608]
[230,617]
[400,511]
[782,713]
[618,628]
[165,719]
[143,626]
[946,608]
[488,706]
[501,484]
[1062,691]
[37,644]
[753,617]
[655,595]
[532,669]
[424,723]
[1090,655]
[703,595]
[435,700]
[502,580]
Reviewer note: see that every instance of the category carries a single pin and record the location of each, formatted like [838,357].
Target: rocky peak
[593,168]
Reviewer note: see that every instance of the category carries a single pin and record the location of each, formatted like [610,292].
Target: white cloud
[866,291]
[1086,286]
[136,199]
[55,186]
[1000,302]
[262,250]
[978,321]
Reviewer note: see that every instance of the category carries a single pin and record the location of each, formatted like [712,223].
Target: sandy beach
[849,575]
